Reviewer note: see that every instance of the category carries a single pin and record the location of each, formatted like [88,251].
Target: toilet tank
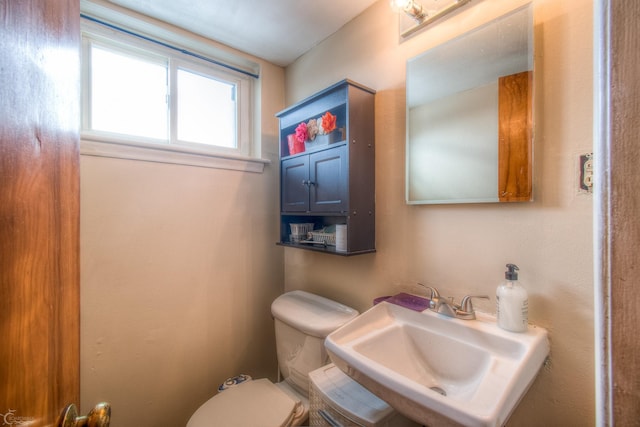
[302,322]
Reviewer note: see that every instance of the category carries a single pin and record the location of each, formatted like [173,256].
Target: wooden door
[39,209]
[617,178]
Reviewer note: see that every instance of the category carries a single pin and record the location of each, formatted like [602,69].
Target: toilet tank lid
[310,313]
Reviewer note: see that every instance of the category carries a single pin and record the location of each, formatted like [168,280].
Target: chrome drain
[438,390]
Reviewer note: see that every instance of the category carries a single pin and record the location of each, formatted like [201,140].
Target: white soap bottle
[512,302]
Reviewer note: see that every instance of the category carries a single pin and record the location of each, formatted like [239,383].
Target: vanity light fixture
[424,15]
[411,8]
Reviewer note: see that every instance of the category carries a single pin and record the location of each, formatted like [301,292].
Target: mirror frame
[509,118]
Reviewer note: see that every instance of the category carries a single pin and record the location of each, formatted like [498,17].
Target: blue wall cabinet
[329,179]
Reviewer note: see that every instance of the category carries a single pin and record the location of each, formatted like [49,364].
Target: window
[206,110]
[149,95]
[128,94]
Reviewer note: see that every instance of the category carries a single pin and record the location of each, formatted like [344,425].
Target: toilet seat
[253,403]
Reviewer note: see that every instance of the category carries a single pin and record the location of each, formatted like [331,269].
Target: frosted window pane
[128,95]
[206,110]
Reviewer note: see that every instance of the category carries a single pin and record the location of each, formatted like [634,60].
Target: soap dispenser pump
[512,302]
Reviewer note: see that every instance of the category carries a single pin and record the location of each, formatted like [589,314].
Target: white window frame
[97,143]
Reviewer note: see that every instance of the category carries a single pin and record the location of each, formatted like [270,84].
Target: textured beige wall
[463,249]
[179,268]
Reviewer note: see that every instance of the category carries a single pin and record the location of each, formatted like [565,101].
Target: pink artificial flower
[301,132]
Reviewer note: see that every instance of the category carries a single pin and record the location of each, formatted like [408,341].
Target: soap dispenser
[512,302]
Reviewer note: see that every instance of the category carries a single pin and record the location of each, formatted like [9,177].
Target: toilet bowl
[302,321]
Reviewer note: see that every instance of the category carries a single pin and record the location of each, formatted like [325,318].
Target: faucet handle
[434,291]
[467,306]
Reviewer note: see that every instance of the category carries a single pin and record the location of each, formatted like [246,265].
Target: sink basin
[439,370]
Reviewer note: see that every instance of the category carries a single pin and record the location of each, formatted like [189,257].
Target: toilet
[302,322]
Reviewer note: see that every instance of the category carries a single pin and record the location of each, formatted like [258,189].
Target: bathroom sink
[439,370]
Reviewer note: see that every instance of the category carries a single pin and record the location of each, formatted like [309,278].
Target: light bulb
[399,5]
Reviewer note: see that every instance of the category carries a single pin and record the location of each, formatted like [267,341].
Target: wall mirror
[469,116]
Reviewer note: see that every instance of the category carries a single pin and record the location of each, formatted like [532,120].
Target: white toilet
[302,322]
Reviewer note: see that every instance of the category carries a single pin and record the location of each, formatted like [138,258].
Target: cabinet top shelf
[317,95]
[308,151]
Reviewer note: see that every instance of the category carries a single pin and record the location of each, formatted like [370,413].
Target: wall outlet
[586,173]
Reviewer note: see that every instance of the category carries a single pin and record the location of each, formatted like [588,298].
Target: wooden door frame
[616,207]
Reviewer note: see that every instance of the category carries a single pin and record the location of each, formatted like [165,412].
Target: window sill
[170,154]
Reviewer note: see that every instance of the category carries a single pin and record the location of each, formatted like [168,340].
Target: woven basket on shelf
[328,239]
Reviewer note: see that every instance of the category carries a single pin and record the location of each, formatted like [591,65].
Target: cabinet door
[328,175]
[295,184]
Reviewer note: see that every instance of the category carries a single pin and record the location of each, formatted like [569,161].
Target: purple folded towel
[412,302]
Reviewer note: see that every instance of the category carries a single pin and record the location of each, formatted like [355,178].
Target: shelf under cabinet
[325,249]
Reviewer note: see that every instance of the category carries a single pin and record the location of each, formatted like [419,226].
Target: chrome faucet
[447,307]
[466,311]
[444,306]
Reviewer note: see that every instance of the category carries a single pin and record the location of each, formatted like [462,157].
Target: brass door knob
[99,416]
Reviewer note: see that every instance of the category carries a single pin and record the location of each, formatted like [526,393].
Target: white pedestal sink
[438,370]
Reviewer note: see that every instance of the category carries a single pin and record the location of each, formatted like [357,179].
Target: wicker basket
[328,239]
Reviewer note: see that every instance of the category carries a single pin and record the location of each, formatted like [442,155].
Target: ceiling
[278,31]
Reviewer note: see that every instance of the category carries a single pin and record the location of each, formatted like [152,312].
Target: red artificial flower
[328,122]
